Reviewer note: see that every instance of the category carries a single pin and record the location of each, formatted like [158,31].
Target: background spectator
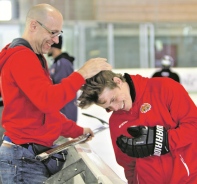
[166,63]
[61,68]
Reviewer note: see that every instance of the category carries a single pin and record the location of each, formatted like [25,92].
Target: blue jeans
[18,166]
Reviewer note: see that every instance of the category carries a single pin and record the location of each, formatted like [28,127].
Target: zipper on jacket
[186,167]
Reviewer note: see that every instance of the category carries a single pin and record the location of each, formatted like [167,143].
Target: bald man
[31,116]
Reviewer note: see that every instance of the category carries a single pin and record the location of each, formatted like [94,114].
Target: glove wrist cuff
[161,141]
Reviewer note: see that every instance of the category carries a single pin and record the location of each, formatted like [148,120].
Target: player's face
[118,98]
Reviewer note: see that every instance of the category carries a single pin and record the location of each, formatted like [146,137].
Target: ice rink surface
[101,143]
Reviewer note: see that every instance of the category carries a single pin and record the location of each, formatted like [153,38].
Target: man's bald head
[43,21]
[43,12]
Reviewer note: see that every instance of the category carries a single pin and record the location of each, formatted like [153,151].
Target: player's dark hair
[94,87]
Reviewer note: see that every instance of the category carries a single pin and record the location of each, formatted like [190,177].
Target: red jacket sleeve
[34,81]
[183,110]
[70,128]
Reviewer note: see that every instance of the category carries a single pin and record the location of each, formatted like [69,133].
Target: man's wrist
[83,74]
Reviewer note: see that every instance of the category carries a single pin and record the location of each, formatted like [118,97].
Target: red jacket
[32,102]
[168,105]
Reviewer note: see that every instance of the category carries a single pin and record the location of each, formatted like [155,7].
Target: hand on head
[94,66]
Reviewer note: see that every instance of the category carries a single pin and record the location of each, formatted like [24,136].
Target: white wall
[8,33]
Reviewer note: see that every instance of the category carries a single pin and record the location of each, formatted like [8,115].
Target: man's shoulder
[20,42]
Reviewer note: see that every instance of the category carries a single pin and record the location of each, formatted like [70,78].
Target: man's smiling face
[116,99]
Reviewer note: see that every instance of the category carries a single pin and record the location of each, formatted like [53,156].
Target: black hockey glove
[146,141]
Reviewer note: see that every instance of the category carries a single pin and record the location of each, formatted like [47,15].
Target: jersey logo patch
[145,108]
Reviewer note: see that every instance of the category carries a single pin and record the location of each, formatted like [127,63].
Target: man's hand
[146,141]
[88,131]
[94,66]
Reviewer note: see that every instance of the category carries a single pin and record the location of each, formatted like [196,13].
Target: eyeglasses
[53,34]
